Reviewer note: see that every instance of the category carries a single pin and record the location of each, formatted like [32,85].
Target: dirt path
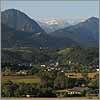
[75,98]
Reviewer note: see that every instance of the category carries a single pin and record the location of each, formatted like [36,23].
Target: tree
[59,82]
[34,70]
[94,82]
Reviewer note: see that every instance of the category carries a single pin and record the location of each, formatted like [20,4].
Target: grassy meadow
[21,79]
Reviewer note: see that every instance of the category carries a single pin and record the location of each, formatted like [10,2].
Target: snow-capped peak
[38,33]
[51,22]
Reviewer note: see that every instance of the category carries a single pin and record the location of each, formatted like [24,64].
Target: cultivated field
[20,79]
[79,75]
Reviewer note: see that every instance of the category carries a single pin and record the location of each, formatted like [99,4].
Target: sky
[54,9]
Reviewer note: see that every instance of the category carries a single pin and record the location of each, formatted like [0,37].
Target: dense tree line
[39,56]
[11,89]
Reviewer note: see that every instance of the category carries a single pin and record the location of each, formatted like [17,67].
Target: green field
[20,79]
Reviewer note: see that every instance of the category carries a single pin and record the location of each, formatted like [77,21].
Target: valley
[52,59]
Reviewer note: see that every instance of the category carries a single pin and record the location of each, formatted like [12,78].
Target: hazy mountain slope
[53,25]
[85,33]
[12,38]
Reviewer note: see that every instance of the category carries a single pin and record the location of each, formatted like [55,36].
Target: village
[76,81]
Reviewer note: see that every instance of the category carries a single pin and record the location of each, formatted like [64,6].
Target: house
[74,91]
[69,62]
[49,69]
[43,65]
[62,71]
[57,63]
[97,69]
[21,72]
[27,95]
[70,92]
[61,93]
[93,94]
[30,65]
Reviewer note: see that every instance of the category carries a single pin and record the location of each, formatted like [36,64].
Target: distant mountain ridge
[85,33]
[19,30]
[53,25]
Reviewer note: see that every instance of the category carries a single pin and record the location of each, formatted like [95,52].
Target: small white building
[27,96]
[97,69]
[69,62]
[57,63]
[43,65]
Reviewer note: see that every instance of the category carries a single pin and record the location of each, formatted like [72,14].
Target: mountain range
[51,25]
[19,30]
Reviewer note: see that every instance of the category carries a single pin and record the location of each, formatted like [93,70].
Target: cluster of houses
[52,67]
[57,67]
[21,72]
[78,91]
